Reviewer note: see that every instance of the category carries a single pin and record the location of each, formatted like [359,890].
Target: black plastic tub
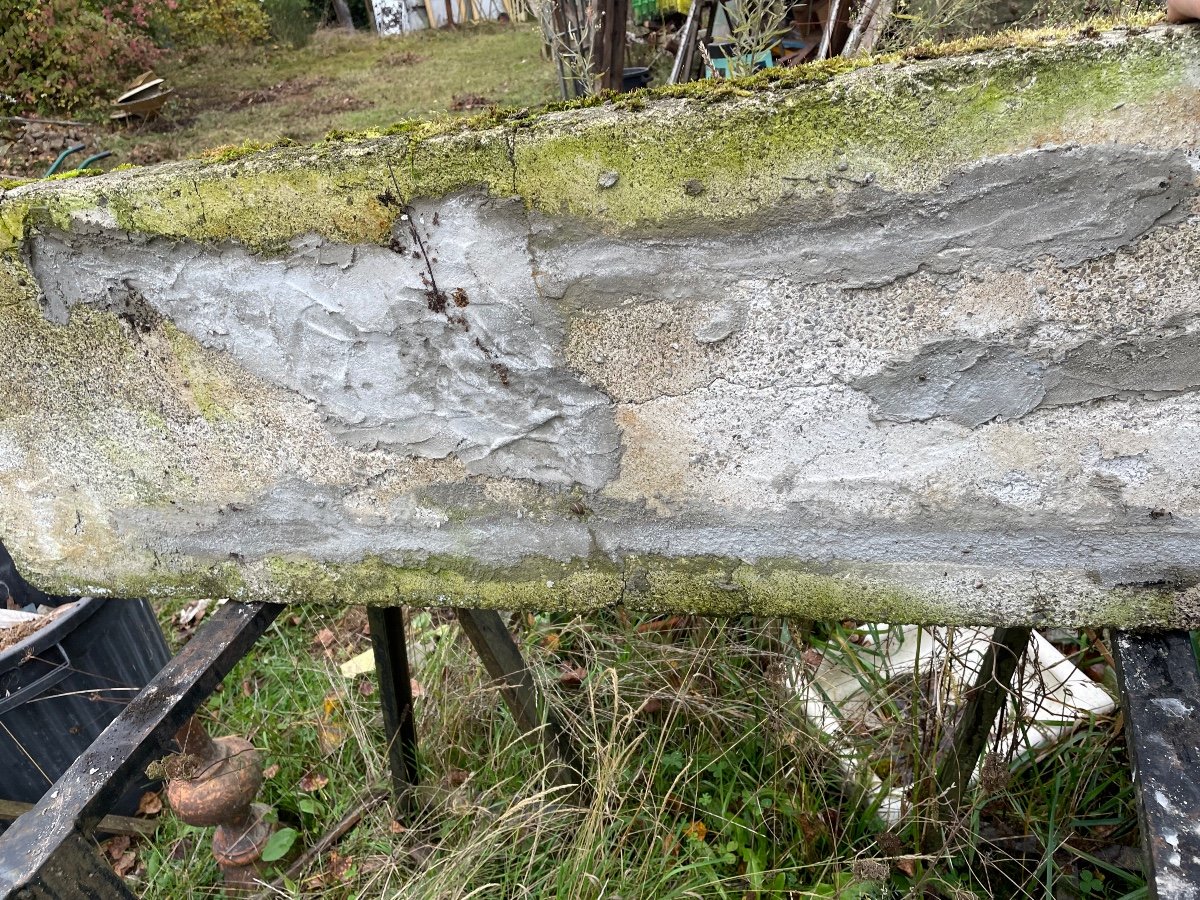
[62,685]
[635,77]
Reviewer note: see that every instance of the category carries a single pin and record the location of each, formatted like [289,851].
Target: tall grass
[704,778]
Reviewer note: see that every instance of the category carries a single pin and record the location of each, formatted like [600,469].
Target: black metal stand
[48,852]
[395,694]
[1160,693]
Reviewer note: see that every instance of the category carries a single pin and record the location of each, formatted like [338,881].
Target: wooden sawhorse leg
[502,658]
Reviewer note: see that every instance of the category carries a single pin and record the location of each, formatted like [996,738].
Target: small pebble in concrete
[693,187]
[607,180]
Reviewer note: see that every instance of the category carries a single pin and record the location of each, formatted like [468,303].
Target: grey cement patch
[1097,198]
[971,382]
[473,372]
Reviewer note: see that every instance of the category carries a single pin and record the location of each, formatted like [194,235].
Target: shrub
[59,55]
[292,21]
[62,55]
[202,23]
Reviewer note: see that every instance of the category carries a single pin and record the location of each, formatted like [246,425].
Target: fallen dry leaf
[116,847]
[192,613]
[313,781]
[325,637]
[331,732]
[150,804]
[650,706]
[572,676]
[339,865]
[125,864]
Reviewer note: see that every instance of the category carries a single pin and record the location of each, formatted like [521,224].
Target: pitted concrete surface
[976,402]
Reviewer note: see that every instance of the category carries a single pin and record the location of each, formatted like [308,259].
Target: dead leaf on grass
[331,729]
[572,676]
[126,864]
[325,638]
[116,846]
[191,615]
[399,60]
[313,781]
[339,865]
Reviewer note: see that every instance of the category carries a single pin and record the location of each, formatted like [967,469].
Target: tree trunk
[608,54]
[342,11]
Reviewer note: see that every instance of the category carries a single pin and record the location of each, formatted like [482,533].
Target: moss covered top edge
[742,139]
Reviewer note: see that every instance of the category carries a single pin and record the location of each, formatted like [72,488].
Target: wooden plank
[1160,693]
[395,694]
[74,806]
[503,661]
[14,809]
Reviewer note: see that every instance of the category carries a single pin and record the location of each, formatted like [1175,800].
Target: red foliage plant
[60,55]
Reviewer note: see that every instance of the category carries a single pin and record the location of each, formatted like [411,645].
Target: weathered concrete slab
[918,341]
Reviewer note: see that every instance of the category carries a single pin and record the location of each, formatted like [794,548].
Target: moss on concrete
[712,586]
[693,156]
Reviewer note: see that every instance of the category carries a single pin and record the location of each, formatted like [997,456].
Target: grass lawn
[338,81]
